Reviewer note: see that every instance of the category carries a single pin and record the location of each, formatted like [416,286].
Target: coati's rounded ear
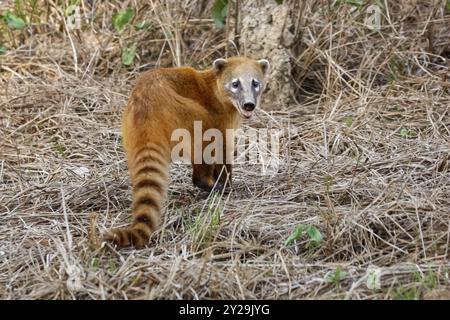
[265,65]
[218,64]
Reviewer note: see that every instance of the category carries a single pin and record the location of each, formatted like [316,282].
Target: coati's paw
[224,187]
[219,186]
[209,185]
[205,184]
[127,237]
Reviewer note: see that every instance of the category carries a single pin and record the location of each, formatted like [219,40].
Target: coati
[167,99]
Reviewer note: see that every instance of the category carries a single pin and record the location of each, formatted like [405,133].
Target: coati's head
[241,80]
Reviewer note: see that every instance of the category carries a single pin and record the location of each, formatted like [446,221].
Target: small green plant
[407,133]
[402,293]
[204,227]
[19,8]
[355,3]
[336,276]
[420,283]
[348,121]
[60,149]
[430,281]
[13,21]
[120,19]
[128,54]
[142,25]
[26,9]
[328,181]
[219,12]
[373,279]
[396,68]
[314,235]
[112,266]
[3,49]
[95,263]
[24,12]
[70,10]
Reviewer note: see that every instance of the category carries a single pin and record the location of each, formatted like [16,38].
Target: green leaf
[348,121]
[296,234]
[314,234]
[70,10]
[447,5]
[121,18]
[279,1]
[337,276]
[112,268]
[142,25]
[406,133]
[60,148]
[95,263]
[219,12]
[13,21]
[356,3]
[2,49]
[373,281]
[128,54]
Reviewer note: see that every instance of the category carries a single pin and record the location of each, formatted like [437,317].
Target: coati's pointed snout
[247,109]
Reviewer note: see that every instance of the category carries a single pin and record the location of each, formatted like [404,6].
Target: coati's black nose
[249,106]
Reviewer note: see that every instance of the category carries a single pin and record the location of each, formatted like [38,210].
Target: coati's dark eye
[235,84]
[255,83]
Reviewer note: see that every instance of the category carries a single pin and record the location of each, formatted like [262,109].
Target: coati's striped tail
[149,175]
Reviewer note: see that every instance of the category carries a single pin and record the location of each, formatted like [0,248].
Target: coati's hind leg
[149,174]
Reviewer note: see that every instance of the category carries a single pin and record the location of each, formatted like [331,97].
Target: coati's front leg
[211,176]
[203,176]
[217,175]
[222,173]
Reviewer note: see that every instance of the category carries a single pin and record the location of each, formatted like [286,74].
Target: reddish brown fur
[164,100]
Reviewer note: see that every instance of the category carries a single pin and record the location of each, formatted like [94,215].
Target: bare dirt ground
[365,162]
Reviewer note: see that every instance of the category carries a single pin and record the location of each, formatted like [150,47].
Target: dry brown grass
[368,166]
